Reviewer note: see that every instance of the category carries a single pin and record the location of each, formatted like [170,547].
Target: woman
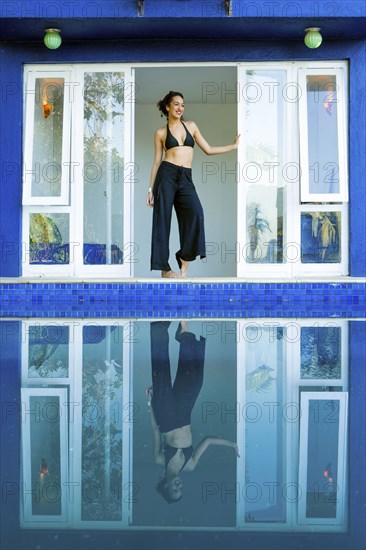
[171,185]
[171,406]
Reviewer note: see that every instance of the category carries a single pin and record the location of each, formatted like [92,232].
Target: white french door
[77,425]
[292,179]
[78,172]
[292,163]
[292,394]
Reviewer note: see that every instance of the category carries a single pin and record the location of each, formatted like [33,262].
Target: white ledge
[195,280]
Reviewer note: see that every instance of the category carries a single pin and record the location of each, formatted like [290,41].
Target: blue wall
[242,11]
[15,54]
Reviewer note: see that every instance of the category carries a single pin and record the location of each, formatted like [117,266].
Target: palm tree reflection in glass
[257,225]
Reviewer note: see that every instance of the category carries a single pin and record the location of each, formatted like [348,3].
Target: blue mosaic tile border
[177,300]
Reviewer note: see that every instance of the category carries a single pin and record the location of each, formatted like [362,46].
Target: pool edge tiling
[184,299]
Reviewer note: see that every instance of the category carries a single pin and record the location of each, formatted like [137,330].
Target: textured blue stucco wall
[11,159]
[30,9]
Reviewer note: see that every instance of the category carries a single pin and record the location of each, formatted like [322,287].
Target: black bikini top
[171,142]
[171,451]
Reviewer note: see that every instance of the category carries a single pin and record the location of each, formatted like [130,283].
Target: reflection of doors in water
[101,433]
[264,434]
[275,460]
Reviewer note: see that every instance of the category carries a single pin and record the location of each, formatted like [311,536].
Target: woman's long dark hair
[161,488]
[163,103]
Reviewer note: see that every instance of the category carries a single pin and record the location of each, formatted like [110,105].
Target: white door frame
[76,268]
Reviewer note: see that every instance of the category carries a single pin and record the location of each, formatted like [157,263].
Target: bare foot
[170,275]
[184,326]
[183,266]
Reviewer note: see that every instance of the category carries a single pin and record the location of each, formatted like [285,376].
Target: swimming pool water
[78,454]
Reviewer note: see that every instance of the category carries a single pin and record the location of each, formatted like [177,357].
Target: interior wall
[215,187]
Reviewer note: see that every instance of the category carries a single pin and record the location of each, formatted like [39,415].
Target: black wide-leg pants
[173,402]
[174,187]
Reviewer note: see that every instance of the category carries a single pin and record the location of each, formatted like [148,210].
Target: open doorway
[210,100]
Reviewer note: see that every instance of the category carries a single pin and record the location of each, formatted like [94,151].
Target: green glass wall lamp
[52,38]
[313,38]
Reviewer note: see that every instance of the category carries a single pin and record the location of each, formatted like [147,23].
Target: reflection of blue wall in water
[10,361]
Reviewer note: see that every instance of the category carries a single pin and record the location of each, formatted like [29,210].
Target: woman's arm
[158,155]
[208,149]
[158,452]
[205,443]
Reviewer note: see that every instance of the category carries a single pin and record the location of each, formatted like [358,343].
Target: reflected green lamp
[52,38]
[313,38]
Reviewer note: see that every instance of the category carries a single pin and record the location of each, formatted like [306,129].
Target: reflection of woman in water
[171,406]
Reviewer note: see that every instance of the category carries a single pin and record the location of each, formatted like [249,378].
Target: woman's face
[176,107]
[175,487]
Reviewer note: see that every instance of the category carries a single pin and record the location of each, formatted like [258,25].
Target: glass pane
[48,351]
[263,166]
[322,118]
[103,168]
[49,238]
[102,423]
[321,352]
[265,465]
[322,463]
[47,137]
[320,237]
[45,455]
